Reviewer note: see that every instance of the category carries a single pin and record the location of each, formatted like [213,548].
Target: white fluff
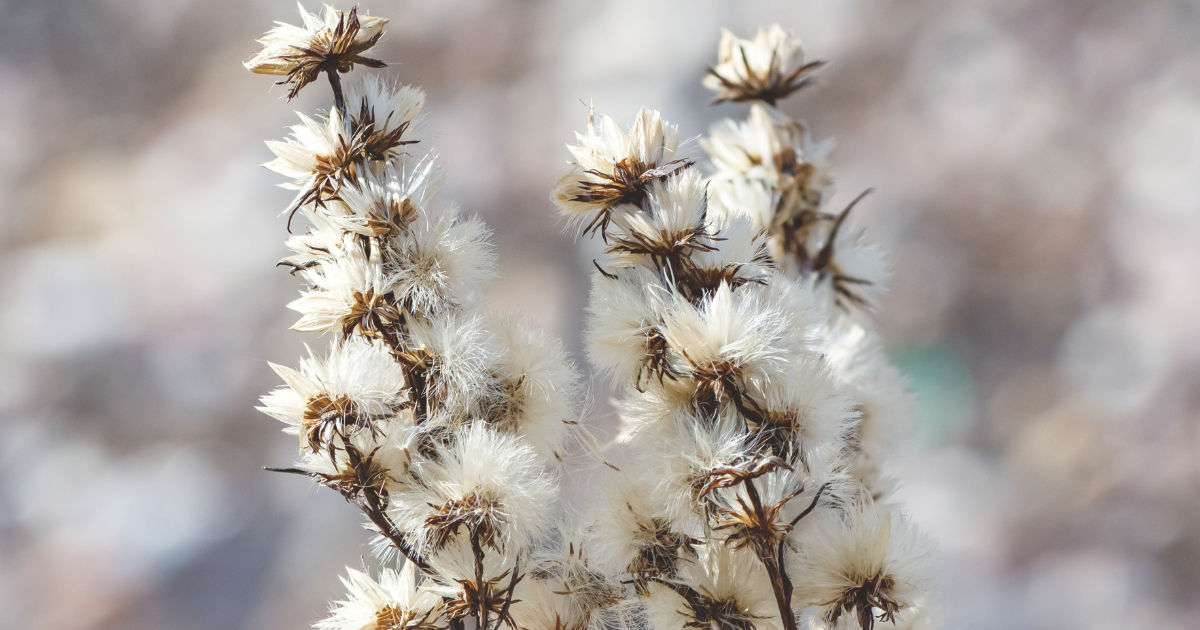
[725,577]
[538,387]
[396,599]
[458,382]
[502,470]
[837,552]
[359,370]
[651,141]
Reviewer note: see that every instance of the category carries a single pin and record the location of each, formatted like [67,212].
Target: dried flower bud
[613,168]
[335,43]
[396,602]
[767,68]
[870,564]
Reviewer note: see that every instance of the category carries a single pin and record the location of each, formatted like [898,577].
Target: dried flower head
[721,589]
[324,154]
[484,486]
[356,386]
[870,564]
[612,168]
[334,43]
[395,602]
[767,68]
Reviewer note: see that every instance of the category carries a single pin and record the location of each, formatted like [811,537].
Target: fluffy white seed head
[622,312]
[537,387]
[611,167]
[730,332]
[729,589]
[766,68]
[458,349]
[385,204]
[357,384]
[857,275]
[396,600]
[484,481]
[632,536]
[392,111]
[564,591]
[346,285]
[867,559]
[281,45]
[443,263]
[314,146]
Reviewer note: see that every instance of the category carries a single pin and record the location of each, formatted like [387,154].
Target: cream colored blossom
[767,68]
[613,168]
[333,43]
[397,601]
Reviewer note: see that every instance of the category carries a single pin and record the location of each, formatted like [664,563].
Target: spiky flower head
[870,563]
[333,43]
[395,602]
[613,169]
[767,68]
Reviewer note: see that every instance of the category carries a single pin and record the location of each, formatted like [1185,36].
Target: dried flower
[767,68]
[613,168]
[870,564]
[395,602]
[730,310]
[483,485]
[335,43]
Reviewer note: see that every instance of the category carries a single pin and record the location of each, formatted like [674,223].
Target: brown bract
[326,418]
[359,476]
[393,618]
[484,598]
[377,139]
[372,314]
[476,512]
[364,142]
[872,593]
[658,554]
[710,613]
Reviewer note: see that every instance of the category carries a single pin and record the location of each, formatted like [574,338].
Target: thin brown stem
[811,506]
[787,580]
[369,502]
[484,596]
[508,596]
[374,510]
[335,82]
[772,564]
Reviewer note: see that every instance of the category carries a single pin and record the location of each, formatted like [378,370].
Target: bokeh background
[1038,172]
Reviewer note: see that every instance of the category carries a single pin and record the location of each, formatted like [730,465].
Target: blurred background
[1038,172]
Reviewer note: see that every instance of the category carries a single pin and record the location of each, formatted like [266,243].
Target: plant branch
[772,564]
[787,581]
[481,615]
[335,82]
[508,597]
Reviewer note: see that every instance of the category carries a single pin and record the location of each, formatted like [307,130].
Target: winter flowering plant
[731,310]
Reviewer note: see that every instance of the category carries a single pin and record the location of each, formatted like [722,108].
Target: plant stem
[335,82]
[481,589]
[762,547]
[373,508]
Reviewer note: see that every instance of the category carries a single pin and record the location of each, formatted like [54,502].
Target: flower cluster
[733,314]
[732,311]
[442,423]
